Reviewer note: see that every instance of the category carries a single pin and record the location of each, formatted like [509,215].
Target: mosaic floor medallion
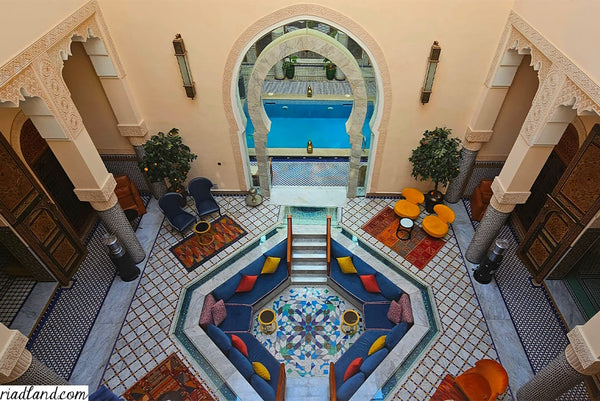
[308,334]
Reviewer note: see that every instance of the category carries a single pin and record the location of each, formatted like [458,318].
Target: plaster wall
[512,114]
[7,116]
[90,99]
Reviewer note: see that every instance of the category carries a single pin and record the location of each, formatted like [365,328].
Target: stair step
[309,280]
[309,253]
[309,269]
[309,237]
[302,244]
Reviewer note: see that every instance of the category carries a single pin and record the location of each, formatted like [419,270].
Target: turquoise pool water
[294,122]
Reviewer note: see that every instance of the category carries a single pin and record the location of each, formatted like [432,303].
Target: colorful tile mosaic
[308,335]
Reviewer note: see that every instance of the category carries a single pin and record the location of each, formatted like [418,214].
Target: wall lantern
[184,66]
[434,58]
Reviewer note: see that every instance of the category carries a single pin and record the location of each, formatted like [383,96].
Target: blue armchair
[170,204]
[199,188]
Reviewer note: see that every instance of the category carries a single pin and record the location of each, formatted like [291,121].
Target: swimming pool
[294,122]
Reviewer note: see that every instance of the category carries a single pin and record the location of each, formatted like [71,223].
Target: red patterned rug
[418,250]
[193,251]
[170,380]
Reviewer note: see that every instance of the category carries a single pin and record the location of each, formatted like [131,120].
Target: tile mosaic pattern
[464,337]
[308,334]
[540,329]
[128,165]
[144,340]
[13,293]
[298,172]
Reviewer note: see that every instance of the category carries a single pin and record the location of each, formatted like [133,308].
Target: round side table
[267,321]
[202,229]
[405,226]
[349,323]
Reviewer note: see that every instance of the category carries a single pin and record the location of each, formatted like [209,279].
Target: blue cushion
[219,338]
[265,283]
[359,349]
[278,251]
[239,318]
[254,268]
[338,251]
[227,289]
[375,316]
[396,335]
[353,285]
[241,363]
[372,361]
[350,386]
[362,267]
[262,388]
[389,290]
[258,353]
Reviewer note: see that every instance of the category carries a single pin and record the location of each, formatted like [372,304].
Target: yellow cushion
[260,370]
[404,208]
[270,265]
[413,195]
[346,265]
[444,213]
[435,226]
[377,345]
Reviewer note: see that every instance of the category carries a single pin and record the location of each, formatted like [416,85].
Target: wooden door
[573,203]
[36,219]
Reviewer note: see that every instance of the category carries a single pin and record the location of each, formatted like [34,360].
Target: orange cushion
[413,195]
[353,368]
[474,386]
[435,226]
[370,283]
[404,208]
[246,284]
[444,213]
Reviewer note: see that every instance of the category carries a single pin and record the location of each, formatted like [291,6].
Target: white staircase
[309,256]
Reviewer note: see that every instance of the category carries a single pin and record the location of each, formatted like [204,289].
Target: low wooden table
[349,323]
[202,229]
[267,321]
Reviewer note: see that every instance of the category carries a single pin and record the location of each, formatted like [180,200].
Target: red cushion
[407,315]
[246,284]
[219,313]
[353,368]
[395,312]
[239,344]
[370,283]
[206,314]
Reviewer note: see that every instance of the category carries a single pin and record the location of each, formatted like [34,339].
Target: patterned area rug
[170,380]
[191,252]
[418,250]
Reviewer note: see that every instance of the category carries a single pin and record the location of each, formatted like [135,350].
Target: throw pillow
[206,314]
[239,344]
[270,265]
[377,345]
[370,283]
[219,313]
[394,336]
[243,365]
[395,312]
[353,368]
[260,370]
[407,315]
[246,284]
[220,339]
[346,265]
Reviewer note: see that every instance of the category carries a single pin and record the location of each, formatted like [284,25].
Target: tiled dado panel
[481,171]
[128,165]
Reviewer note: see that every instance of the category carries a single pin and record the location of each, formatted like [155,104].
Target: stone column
[343,39]
[494,218]
[278,68]
[580,359]
[18,366]
[457,185]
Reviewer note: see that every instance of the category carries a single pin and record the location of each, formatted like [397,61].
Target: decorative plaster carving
[508,197]
[337,19]
[501,207]
[589,363]
[131,130]
[105,205]
[479,135]
[571,95]
[102,194]
[26,80]
[14,345]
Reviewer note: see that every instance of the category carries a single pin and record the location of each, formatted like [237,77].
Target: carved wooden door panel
[573,203]
[38,221]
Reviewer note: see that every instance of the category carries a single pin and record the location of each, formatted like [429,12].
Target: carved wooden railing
[328,243]
[289,244]
[280,396]
[332,391]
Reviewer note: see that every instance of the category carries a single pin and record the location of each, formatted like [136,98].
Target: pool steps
[309,258]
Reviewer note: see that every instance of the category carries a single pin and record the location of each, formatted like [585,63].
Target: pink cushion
[239,344]
[353,368]
[395,312]
[246,284]
[218,312]
[206,314]
[370,283]
[407,315]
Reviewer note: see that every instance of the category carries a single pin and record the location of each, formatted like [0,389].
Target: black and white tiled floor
[13,293]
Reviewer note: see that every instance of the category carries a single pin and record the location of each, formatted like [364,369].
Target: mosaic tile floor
[144,340]
[13,293]
[540,329]
[308,335]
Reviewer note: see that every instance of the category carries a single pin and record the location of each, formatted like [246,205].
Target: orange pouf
[495,375]
[437,226]
[474,386]
[409,207]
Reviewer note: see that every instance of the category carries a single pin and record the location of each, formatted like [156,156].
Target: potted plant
[436,158]
[329,69]
[167,158]
[289,66]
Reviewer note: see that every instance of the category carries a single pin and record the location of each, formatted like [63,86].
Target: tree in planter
[167,158]
[329,69]
[436,158]
[289,66]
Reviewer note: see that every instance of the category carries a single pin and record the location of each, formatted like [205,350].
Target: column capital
[583,352]
[133,130]
[508,197]
[14,358]
[481,136]
[102,198]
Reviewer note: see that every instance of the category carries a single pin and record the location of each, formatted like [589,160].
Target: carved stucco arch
[231,103]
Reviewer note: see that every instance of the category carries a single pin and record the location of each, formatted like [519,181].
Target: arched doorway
[44,164]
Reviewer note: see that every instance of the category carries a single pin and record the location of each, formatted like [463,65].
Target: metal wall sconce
[184,66]
[434,59]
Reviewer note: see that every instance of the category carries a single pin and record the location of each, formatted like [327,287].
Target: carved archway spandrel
[571,95]
[27,81]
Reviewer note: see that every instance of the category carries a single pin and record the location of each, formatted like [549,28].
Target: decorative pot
[290,71]
[433,198]
[330,72]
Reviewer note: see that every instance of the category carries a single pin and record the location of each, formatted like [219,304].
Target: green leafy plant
[289,66]
[167,158]
[436,158]
[329,68]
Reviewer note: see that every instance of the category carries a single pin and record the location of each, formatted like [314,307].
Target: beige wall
[572,26]
[7,115]
[90,99]
[22,22]
[512,114]
[468,32]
